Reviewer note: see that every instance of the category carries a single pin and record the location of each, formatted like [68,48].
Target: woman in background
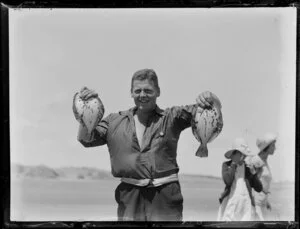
[237,202]
[259,162]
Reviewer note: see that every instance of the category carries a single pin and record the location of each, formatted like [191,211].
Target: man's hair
[144,74]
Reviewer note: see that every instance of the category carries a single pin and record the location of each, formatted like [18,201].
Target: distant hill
[40,171]
[78,173]
[195,176]
[83,173]
[45,172]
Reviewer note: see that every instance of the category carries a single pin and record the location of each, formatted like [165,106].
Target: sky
[246,56]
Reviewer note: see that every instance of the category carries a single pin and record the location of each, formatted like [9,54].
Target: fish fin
[202,151]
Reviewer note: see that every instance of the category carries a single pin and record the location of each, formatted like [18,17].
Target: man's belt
[151,182]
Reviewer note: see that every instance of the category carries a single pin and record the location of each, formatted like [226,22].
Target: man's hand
[86,93]
[207,99]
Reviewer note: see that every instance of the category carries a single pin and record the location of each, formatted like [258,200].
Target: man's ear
[158,92]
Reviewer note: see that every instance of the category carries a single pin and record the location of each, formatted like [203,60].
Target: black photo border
[5,145]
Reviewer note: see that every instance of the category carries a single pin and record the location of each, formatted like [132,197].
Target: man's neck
[144,116]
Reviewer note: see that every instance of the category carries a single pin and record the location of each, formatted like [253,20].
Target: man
[142,143]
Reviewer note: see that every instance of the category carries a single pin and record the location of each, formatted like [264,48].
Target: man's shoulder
[130,111]
[120,114]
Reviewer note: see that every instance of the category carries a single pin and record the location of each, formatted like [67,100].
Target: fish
[206,124]
[88,112]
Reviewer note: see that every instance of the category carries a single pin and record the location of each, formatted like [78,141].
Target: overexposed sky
[247,57]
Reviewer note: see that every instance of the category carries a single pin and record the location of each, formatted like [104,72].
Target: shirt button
[161,133]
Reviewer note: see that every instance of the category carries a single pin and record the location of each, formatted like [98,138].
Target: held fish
[89,112]
[207,124]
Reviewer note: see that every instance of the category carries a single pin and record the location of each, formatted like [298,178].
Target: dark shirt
[157,157]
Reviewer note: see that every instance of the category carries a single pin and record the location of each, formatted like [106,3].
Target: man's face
[144,94]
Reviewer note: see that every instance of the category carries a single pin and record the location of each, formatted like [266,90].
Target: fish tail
[202,151]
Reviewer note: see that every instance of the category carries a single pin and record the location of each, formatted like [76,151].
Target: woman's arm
[256,183]
[228,172]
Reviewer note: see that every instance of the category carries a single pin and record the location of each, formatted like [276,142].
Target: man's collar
[132,110]
[159,111]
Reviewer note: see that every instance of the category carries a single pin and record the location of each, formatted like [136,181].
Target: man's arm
[184,114]
[98,136]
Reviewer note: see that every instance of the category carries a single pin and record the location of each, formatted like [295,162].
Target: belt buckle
[150,184]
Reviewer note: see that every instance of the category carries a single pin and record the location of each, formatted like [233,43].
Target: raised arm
[256,184]
[184,114]
[254,166]
[98,136]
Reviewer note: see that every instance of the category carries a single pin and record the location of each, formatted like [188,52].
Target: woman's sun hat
[241,145]
[266,140]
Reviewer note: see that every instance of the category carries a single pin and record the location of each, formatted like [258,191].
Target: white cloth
[254,162]
[237,205]
[152,183]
